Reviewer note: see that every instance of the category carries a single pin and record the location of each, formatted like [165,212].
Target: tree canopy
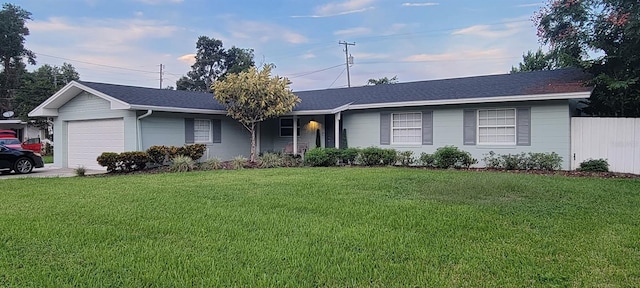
[603,37]
[13,32]
[253,96]
[213,63]
[539,61]
[40,84]
[384,80]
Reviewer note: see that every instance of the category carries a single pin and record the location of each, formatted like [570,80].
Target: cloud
[309,56]
[353,31]
[104,35]
[419,4]
[187,58]
[457,56]
[540,4]
[265,32]
[158,2]
[340,8]
[365,56]
[486,31]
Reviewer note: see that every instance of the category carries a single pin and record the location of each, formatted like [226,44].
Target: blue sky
[124,42]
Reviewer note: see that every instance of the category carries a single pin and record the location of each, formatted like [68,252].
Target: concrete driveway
[50,171]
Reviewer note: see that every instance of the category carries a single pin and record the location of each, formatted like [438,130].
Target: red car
[8,139]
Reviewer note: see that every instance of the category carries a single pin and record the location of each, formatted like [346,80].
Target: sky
[126,41]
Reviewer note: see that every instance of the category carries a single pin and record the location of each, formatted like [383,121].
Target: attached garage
[88,139]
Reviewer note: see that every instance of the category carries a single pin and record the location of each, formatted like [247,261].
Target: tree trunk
[253,142]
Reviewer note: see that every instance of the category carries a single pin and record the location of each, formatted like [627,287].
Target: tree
[539,61]
[602,37]
[253,96]
[13,31]
[384,80]
[213,62]
[40,84]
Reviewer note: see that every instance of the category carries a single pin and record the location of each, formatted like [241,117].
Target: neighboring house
[510,113]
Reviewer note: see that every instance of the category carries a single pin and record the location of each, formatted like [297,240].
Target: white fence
[614,139]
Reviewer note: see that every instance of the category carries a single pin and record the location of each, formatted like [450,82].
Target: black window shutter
[469,129]
[385,128]
[188,131]
[216,125]
[523,126]
[427,128]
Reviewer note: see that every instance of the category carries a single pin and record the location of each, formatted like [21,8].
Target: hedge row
[158,155]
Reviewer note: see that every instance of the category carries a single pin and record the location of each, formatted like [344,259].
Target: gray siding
[169,129]
[86,106]
[550,129]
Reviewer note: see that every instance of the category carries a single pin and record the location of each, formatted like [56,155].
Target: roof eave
[49,108]
[515,98]
[178,109]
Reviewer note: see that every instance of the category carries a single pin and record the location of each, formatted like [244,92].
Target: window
[201,130]
[406,128]
[497,126]
[286,127]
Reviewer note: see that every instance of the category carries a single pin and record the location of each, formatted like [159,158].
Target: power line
[313,72]
[334,81]
[96,64]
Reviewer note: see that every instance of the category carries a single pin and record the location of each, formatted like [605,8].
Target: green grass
[47,159]
[333,227]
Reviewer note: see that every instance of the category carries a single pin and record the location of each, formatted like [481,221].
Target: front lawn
[338,227]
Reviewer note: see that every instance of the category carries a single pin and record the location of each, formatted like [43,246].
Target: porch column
[295,135]
[337,130]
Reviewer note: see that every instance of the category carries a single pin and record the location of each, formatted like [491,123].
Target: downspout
[139,132]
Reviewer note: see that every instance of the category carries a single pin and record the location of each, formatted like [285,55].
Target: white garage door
[88,139]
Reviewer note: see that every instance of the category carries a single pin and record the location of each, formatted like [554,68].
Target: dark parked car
[21,161]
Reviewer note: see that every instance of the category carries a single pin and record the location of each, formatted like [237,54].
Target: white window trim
[392,129]
[210,131]
[280,127]
[515,127]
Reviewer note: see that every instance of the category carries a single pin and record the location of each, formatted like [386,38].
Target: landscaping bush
[157,154]
[289,160]
[80,171]
[523,161]
[374,156]
[182,163]
[427,160]
[325,157]
[239,162]
[109,160]
[211,164]
[452,157]
[270,160]
[132,161]
[405,158]
[160,154]
[349,155]
[594,165]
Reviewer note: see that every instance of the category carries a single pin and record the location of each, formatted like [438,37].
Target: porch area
[295,134]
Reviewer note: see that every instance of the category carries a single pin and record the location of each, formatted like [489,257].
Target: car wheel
[23,166]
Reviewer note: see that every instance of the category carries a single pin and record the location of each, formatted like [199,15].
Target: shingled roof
[562,84]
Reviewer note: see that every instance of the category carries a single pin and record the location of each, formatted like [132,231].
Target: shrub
[427,160]
[349,155]
[452,157]
[132,161]
[523,161]
[80,171]
[325,157]
[405,158]
[195,151]
[238,162]
[289,160]
[157,154]
[270,160]
[109,160]
[211,164]
[594,165]
[182,164]
[374,156]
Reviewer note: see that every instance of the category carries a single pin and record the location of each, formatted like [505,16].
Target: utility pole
[348,59]
[161,67]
